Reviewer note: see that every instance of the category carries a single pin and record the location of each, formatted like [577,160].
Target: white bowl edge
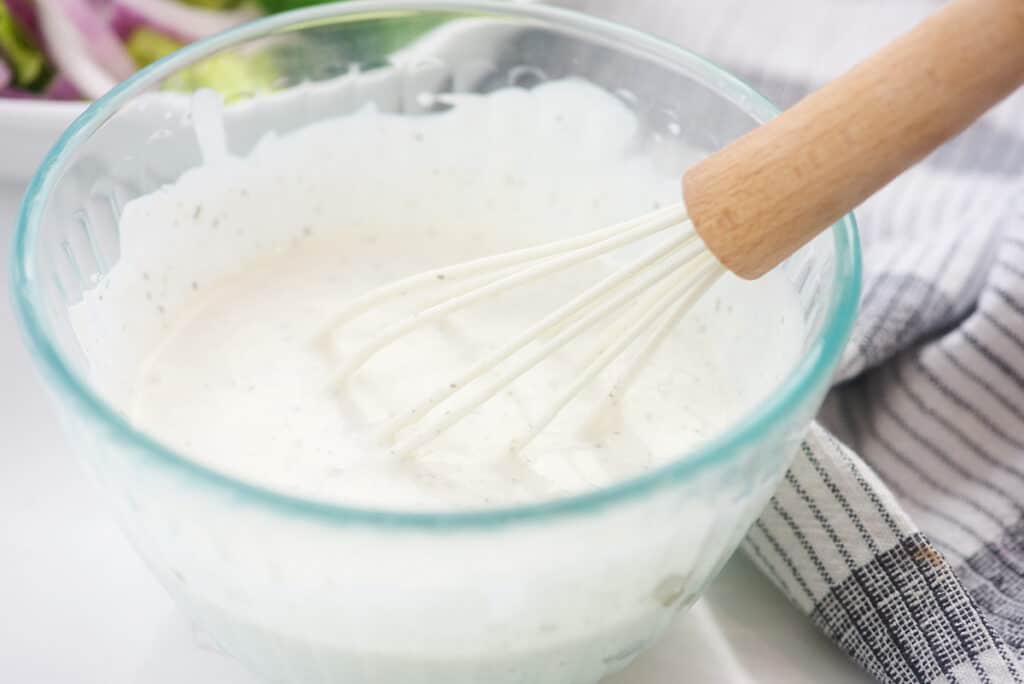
[28,129]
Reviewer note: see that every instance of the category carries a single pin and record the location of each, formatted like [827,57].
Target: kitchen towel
[899,529]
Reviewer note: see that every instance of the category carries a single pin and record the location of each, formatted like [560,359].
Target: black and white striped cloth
[900,527]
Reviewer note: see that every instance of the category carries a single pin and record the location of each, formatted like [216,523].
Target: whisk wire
[628,232]
[710,273]
[674,213]
[669,306]
[642,301]
[552,320]
[431,428]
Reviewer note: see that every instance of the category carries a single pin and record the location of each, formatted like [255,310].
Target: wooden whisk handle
[761,198]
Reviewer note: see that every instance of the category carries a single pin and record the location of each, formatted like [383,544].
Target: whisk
[747,208]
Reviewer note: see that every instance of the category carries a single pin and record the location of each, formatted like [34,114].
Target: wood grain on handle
[761,198]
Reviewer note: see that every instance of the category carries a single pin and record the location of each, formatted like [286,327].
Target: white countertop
[79,606]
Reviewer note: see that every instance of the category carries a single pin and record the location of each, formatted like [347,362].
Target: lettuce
[233,76]
[26,62]
[147,46]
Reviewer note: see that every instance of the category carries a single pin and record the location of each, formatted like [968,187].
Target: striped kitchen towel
[900,527]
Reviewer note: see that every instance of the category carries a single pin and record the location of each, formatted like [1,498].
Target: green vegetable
[237,75]
[214,4]
[26,60]
[370,41]
[233,75]
[390,38]
[147,46]
[285,5]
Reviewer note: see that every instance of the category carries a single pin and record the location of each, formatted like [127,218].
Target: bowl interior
[286,72]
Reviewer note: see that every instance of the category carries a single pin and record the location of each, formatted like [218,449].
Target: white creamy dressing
[216,322]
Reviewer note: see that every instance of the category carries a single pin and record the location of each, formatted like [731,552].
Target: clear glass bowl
[563,591]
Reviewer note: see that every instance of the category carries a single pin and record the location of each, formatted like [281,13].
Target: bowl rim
[813,369]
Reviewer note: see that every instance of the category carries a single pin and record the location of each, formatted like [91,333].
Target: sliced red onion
[69,52]
[101,40]
[60,88]
[16,94]
[5,75]
[174,20]
[125,21]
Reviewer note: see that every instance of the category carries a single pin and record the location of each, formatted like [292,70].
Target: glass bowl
[302,591]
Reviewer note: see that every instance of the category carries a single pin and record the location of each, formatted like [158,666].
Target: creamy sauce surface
[235,273]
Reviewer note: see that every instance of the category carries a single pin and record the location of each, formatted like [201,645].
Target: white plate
[28,129]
